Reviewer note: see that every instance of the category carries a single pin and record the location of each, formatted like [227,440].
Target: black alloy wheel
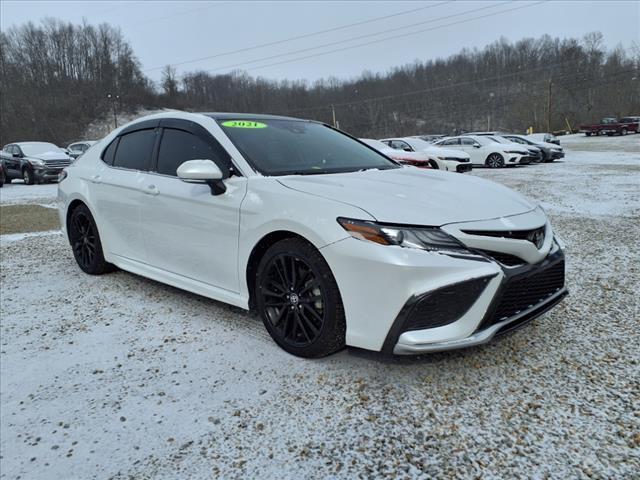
[495,160]
[299,300]
[85,242]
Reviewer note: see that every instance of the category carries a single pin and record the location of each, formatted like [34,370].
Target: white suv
[330,241]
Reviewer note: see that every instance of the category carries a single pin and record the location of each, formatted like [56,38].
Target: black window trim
[159,126]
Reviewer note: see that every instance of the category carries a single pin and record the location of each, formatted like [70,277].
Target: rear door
[188,231]
[117,188]
[470,146]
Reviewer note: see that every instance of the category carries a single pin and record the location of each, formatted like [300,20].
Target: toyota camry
[329,240]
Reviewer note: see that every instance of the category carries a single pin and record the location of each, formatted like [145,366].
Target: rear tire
[299,301]
[28,177]
[85,242]
[588,134]
[494,160]
[623,132]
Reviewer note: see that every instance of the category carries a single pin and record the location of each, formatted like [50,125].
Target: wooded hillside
[55,78]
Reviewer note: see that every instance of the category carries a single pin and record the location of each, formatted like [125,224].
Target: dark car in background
[34,162]
[550,151]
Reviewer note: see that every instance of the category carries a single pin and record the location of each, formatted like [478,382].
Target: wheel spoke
[308,323]
[300,323]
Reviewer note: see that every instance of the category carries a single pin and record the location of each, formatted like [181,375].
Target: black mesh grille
[522,293]
[444,306]
[505,258]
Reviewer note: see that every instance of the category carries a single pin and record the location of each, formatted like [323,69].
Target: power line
[359,37]
[299,37]
[393,37]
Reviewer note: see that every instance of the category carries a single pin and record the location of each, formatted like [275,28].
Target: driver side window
[178,146]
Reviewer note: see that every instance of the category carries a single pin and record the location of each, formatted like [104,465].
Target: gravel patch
[121,377]
[27,218]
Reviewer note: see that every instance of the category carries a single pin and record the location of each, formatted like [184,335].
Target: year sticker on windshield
[243,124]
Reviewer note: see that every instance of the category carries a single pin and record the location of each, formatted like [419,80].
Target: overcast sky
[172,32]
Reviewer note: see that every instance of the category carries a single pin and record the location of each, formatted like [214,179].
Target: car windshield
[499,139]
[39,148]
[298,147]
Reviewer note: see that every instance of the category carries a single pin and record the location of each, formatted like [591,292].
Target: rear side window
[467,141]
[135,149]
[109,153]
[178,146]
[451,141]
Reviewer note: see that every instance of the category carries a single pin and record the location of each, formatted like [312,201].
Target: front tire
[28,177]
[623,132]
[85,242]
[299,301]
[495,160]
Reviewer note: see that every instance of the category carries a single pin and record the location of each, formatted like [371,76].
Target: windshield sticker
[243,124]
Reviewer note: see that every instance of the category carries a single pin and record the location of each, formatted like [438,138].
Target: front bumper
[464,167]
[379,284]
[46,174]
[493,323]
[556,155]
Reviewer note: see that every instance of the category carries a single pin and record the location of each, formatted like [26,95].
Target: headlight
[36,162]
[423,238]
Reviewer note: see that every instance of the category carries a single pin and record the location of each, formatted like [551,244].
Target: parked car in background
[486,152]
[611,126]
[2,174]
[331,242]
[34,162]
[449,160]
[415,159]
[535,153]
[430,138]
[74,150]
[544,137]
[550,151]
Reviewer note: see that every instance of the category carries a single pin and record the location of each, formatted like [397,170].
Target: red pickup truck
[612,126]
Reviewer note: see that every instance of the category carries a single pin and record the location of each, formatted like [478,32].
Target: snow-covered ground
[17,192]
[122,377]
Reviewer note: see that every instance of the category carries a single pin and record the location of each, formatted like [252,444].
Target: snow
[18,192]
[117,376]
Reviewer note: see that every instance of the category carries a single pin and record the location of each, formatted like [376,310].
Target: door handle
[151,190]
[95,179]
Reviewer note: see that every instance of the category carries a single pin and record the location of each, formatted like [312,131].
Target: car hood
[415,196]
[49,156]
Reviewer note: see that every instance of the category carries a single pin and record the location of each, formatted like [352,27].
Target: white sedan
[487,152]
[331,242]
[446,159]
[416,159]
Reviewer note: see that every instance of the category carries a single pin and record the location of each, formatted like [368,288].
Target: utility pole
[549,106]
[114,99]
[333,114]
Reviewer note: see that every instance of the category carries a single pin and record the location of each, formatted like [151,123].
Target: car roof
[247,116]
[20,144]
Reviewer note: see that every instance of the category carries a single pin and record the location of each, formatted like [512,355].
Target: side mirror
[476,145]
[202,171]
[16,155]
[407,149]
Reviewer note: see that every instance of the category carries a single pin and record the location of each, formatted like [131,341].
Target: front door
[188,231]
